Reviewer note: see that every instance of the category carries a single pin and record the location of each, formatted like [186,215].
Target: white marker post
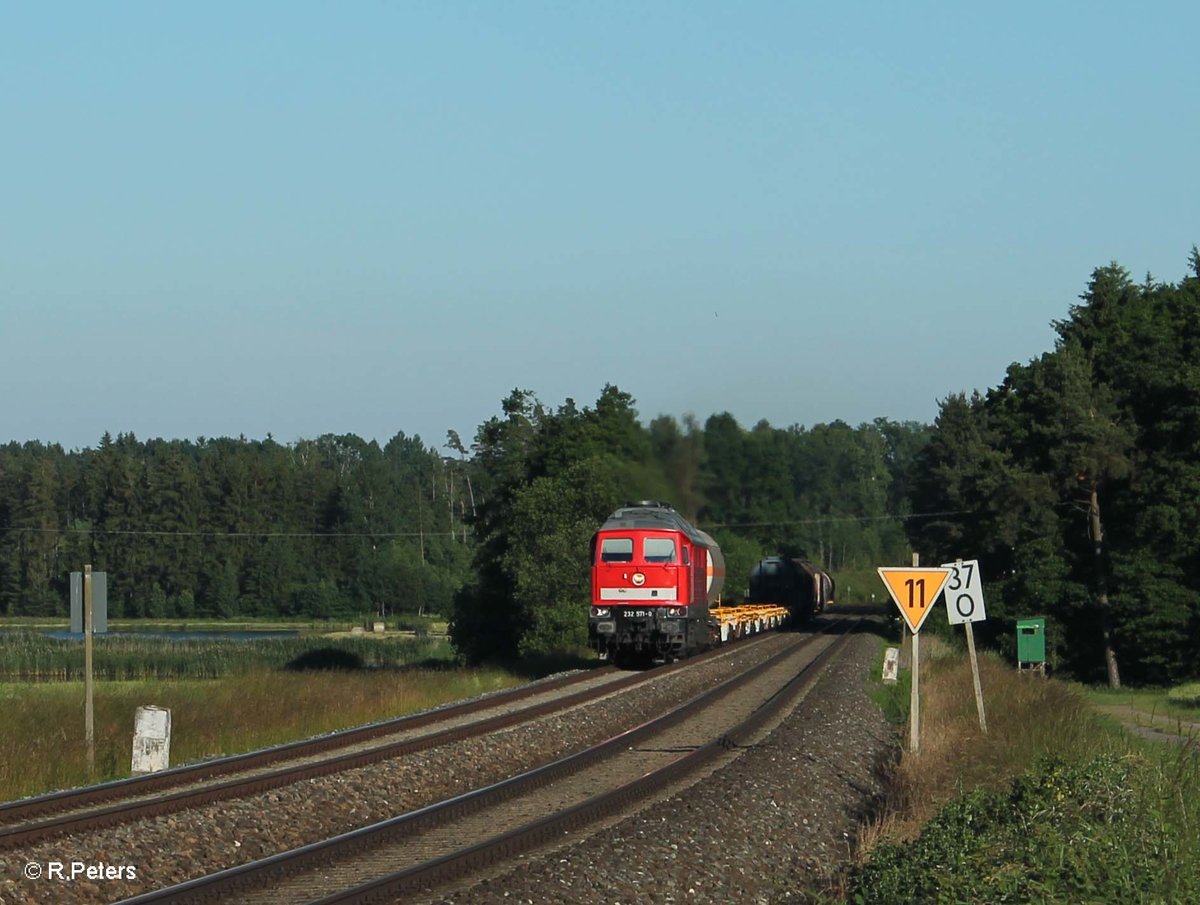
[151,740]
[964,605]
[891,665]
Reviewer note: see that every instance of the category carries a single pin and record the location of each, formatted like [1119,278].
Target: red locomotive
[654,579]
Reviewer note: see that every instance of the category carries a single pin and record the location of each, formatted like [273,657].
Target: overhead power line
[828,519]
[821,520]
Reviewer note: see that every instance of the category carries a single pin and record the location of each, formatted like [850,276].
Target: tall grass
[1026,717]
[225,696]
[41,746]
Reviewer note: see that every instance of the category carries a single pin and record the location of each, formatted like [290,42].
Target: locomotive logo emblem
[639,579]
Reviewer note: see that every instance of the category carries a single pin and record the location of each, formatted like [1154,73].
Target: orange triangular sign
[914,590]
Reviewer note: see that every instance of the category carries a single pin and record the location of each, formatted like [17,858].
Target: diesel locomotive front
[654,579]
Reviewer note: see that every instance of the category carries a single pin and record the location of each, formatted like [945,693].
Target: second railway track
[79,810]
[454,837]
[93,807]
[187,837]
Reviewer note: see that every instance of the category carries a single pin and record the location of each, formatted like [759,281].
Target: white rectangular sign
[964,592]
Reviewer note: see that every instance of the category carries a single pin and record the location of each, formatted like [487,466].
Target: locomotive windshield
[616,549]
[658,549]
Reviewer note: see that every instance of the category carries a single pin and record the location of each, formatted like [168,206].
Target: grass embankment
[1055,804]
[41,745]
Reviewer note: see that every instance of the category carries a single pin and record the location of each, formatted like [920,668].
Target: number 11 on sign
[913,586]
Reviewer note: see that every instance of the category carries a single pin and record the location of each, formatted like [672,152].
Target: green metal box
[1031,640]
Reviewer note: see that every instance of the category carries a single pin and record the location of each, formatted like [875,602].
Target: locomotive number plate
[638,614]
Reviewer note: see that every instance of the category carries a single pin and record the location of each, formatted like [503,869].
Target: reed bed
[32,656]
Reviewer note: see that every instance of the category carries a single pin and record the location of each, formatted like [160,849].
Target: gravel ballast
[172,848]
[769,826]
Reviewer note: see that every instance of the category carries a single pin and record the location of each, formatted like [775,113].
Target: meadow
[1181,703]
[1056,804]
[225,696]
[42,747]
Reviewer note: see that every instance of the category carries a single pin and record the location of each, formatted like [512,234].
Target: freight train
[656,589]
[795,583]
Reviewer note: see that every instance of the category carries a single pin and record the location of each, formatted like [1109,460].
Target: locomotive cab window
[616,549]
[658,549]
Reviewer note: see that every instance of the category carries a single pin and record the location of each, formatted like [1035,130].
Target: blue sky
[296,219]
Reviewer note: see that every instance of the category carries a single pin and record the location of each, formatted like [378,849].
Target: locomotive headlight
[676,611]
[599,612]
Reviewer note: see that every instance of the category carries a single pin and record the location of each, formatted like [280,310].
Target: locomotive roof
[656,517]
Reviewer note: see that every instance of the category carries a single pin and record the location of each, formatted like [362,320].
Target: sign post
[914,688]
[914,591]
[964,606]
[89,732]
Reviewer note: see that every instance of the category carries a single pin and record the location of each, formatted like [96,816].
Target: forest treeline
[1081,474]
[235,527]
[1075,481]
[342,527]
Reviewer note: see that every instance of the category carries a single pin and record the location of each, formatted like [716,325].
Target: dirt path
[1155,727]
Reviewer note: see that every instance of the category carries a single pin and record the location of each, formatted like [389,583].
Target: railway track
[458,836]
[31,820]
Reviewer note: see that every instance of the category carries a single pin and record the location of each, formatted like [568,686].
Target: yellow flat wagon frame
[749,619]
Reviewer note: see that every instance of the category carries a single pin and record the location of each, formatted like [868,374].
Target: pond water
[215,635]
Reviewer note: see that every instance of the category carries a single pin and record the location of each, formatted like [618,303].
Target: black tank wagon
[794,583]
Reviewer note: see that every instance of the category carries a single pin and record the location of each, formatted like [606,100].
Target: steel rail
[14,836]
[25,808]
[124,810]
[222,885]
[506,846]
